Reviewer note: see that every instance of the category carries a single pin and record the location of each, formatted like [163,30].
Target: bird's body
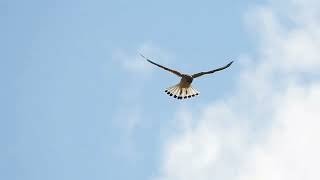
[184,89]
[186,81]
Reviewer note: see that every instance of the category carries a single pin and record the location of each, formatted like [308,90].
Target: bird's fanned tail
[181,93]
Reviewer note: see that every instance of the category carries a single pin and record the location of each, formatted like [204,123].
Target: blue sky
[79,103]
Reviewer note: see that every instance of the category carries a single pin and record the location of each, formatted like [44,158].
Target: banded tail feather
[181,93]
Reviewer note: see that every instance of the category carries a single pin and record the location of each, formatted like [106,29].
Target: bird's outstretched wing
[213,71]
[165,68]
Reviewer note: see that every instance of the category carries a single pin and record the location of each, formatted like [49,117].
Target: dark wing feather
[213,71]
[165,68]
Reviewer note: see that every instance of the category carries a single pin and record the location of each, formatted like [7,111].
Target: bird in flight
[183,89]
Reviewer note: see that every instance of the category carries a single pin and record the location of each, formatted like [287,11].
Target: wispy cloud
[133,65]
[268,129]
[136,72]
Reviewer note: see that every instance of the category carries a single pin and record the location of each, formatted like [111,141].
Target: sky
[78,102]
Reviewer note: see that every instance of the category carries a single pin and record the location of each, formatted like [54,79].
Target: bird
[184,90]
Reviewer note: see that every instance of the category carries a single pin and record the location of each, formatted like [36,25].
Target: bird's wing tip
[141,54]
[144,57]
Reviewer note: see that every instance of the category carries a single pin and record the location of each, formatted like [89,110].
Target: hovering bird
[183,89]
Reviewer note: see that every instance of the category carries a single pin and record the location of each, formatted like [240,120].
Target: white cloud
[204,151]
[269,128]
[291,150]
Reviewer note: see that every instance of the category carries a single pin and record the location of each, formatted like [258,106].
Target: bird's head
[188,78]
